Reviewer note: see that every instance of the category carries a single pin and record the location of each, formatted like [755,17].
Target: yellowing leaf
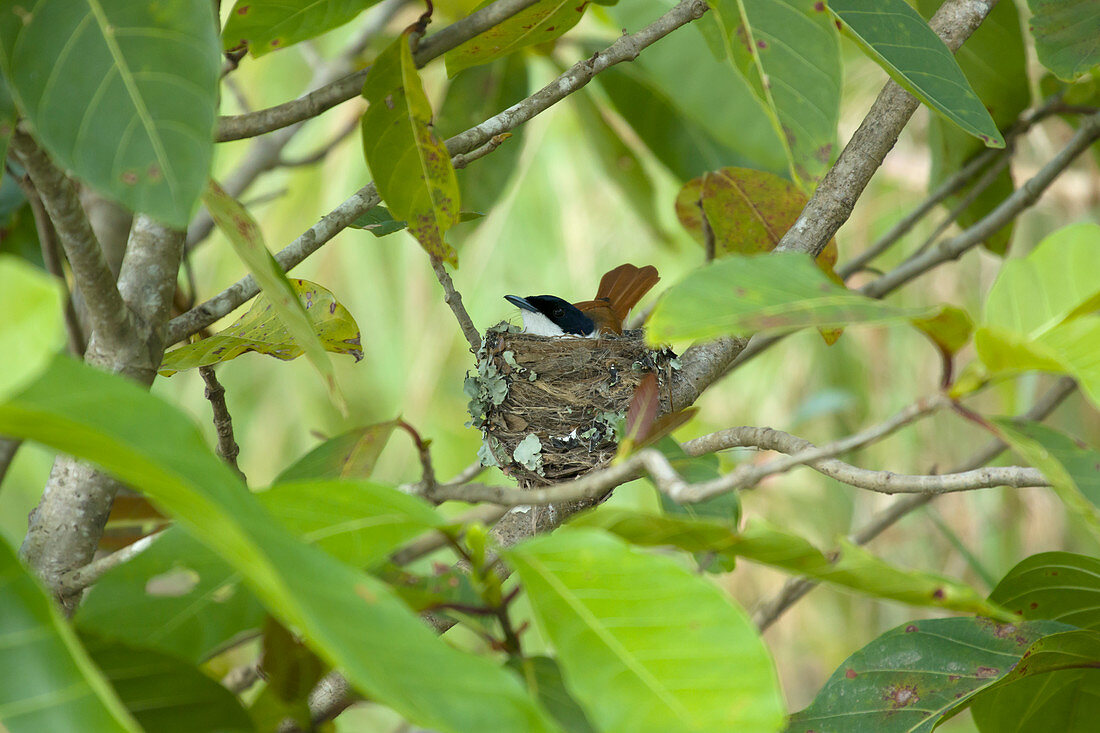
[411,166]
[260,330]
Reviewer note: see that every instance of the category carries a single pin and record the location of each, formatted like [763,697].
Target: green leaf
[8,115]
[348,455]
[31,301]
[380,222]
[353,620]
[678,656]
[1063,701]
[472,97]
[357,522]
[1065,36]
[693,111]
[781,291]
[543,21]
[411,166]
[165,694]
[123,94]
[853,567]
[912,676]
[247,240]
[789,53]
[995,62]
[268,25]
[897,38]
[49,681]
[543,676]
[263,331]
[1061,586]
[177,597]
[1072,468]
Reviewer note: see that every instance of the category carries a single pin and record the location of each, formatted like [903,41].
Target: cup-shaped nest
[548,407]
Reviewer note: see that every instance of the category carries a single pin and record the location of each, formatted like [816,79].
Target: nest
[549,408]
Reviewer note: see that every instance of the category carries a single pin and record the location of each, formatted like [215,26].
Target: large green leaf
[1040,312]
[543,21]
[358,522]
[49,682]
[695,112]
[1065,33]
[789,52]
[644,644]
[995,62]
[780,291]
[31,302]
[122,93]
[1064,587]
[268,25]
[353,620]
[472,97]
[165,694]
[1073,470]
[543,676]
[911,677]
[895,36]
[853,567]
[177,596]
[1061,586]
[411,166]
[261,330]
[247,240]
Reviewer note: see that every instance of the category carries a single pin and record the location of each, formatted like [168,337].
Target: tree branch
[625,48]
[227,450]
[1021,198]
[108,314]
[769,611]
[237,127]
[453,299]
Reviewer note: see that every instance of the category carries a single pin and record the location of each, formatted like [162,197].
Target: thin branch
[795,588]
[836,195]
[227,449]
[322,152]
[51,257]
[1022,198]
[453,299]
[8,448]
[79,579]
[237,127]
[109,316]
[427,477]
[624,49]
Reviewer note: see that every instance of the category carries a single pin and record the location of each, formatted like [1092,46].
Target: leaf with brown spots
[543,21]
[268,25]
[1062,586]
[410,165]
[789,53]
[262,331]
[914,676]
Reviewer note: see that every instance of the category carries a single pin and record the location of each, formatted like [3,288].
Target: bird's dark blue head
[561,313]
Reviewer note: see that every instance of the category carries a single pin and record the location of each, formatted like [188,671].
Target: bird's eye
[558,313]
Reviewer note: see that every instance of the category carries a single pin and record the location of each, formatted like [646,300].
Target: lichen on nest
[548,408]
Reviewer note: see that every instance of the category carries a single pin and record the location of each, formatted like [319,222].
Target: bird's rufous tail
[624,286]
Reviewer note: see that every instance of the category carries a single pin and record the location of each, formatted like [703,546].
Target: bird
[620,290]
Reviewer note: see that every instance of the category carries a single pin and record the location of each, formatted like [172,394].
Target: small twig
[227,449]
[77,580]
[464,159]
[238,94]
[8,448]
[427,477]
[429,543]
[322,152]
[454,299]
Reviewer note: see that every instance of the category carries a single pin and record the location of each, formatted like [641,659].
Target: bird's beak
[521,303]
